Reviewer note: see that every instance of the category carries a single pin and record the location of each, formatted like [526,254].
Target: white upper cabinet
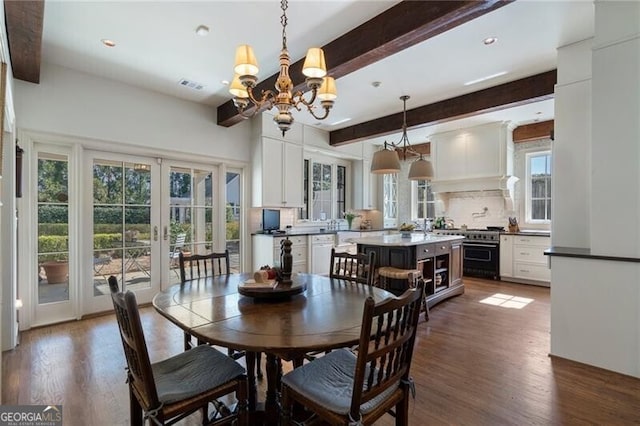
[276,165]
[364,186]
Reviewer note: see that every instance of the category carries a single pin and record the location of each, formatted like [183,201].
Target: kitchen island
[438,257]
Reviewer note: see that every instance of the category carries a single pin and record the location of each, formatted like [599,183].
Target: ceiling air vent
[191,84]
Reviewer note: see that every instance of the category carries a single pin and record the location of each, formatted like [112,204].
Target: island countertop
[398,241]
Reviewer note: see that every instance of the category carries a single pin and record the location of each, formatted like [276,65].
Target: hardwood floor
[474,363]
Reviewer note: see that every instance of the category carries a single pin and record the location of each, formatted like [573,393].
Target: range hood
[479,158]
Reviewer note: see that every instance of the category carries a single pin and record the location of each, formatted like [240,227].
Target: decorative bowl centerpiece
[406,229]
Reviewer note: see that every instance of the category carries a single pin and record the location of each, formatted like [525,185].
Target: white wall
[595,303]
[72,103]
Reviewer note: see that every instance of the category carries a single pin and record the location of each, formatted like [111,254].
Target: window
[321,194]
[390,193]
[424,201]
[325,188]
[538,198]
[341,198]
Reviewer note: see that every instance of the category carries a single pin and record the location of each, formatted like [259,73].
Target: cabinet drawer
[532,241]
[299,254]
[505,239]
[322,239]
[531,271]
[443,248]
[529,254]
[425,251]
[297,240]
[299,268]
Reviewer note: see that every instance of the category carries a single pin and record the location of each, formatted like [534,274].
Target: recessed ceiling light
[376,83]
[539,112]
[489,40]
[202,30]
[489,77]
[225,82]
[108,43]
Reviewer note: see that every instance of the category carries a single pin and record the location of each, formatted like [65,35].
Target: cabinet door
[506,256]
[272,172]
[292,173]
[455,263]
[364,186]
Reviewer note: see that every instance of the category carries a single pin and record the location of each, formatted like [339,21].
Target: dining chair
[203,265]
[167,391]
[347,388]
[357,267]
[209,265]
[200,266]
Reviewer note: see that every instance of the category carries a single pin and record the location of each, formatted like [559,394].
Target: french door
[53,292]
[124,200]
[99,214]
[191,215]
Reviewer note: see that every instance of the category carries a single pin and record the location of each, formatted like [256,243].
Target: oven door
[480,259]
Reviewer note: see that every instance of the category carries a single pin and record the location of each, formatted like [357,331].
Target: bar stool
[411,275]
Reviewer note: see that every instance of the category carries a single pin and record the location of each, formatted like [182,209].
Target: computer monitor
[270,220]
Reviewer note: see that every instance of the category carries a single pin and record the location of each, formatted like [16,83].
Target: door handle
[155,233]
[166,233]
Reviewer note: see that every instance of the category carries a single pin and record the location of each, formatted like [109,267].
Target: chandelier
[314,69]
[387,160]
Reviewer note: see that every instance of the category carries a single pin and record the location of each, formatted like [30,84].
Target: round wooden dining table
[327,315]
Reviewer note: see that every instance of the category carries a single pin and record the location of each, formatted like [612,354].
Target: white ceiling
[157,47]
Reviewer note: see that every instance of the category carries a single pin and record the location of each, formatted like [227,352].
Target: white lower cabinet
[320,259]
[266,251]
[522,259]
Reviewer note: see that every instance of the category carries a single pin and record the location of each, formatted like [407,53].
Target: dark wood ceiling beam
[24,20]
[533,131]
[520,92]
[403,25]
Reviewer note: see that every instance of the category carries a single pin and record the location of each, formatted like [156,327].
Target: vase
[349,221]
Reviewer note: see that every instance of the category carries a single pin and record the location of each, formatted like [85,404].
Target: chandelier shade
[246,62]
[283,98]
[387,161]
[421,169]
[314,64]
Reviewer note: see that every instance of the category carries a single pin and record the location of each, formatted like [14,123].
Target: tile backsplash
[476,209]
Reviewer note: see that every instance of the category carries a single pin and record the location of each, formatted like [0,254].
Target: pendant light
[387,160]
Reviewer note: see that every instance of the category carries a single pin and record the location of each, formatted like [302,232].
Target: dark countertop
[585,253]
[325,232]
[532,233]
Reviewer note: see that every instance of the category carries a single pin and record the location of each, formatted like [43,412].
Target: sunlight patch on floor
[507,301]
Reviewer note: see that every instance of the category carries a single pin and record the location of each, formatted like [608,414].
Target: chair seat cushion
[328,381]
[396,273]
[193,372]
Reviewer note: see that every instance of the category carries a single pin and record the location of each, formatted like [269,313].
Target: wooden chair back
[140,375]
[203,265]
[357,267]
[385,350]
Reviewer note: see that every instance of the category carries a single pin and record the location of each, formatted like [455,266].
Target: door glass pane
[53,228]
[121,225]
[233,212]
[191,215]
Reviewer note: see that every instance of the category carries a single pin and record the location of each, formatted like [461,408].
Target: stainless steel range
[480,251]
